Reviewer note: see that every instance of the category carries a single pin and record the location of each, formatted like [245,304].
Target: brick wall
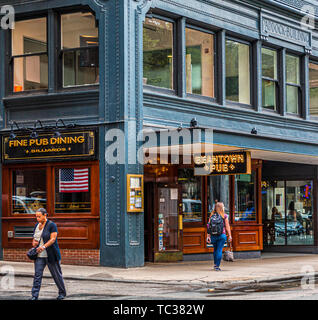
[83,257]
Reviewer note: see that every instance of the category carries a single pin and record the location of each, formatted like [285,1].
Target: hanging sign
[225,163]
[47,146]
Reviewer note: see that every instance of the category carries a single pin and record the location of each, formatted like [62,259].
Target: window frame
[61,51]
[50,187]
[251,63]
[175,69]
[189,25]
[311,117]
[10,83]
[277,81]
[294,85]
[55,75]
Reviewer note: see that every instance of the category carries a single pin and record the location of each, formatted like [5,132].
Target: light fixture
[12,134]
[34,134]
[254,131]
[193,123]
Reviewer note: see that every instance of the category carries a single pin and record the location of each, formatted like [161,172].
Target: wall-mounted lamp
[254,131]
[193,123]
[12,134]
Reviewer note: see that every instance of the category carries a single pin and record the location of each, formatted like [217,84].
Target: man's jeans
[56,272]
[218,244]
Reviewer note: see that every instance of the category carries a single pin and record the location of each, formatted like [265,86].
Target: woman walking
[219,240]
[44,238]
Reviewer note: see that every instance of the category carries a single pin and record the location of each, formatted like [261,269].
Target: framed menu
[135,193]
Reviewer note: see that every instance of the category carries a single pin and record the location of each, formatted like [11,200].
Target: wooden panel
[247,238]
[194,240]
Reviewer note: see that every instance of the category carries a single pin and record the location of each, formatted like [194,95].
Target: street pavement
[269,268]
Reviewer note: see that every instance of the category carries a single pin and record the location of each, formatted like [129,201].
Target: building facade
[79,81]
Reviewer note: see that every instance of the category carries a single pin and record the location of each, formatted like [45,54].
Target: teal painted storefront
[121,98]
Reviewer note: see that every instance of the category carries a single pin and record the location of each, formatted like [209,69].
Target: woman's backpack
[216,225]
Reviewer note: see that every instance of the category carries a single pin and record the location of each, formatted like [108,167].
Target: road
[103,290]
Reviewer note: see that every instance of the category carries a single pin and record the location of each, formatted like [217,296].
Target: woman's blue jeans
[218,244]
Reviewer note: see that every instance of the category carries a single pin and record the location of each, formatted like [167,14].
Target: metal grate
[23,232]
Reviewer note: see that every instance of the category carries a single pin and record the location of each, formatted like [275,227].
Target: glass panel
[299,216]
[158,53]
[78,30]
[244,197]
[29,191]
[269,94]
[80,67]
[200,62]
[218,191]
[269,63]
[29,36]
[72,190]
[292,69]
[273,207]
[191,195]
[292,99]
[30,73]
[237,72]
[168,219]
[313,85]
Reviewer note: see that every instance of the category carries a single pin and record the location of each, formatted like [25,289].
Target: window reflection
[313,85]
[237,72]
[29,191]
[80,45]
[200,62]
[29,52]
[293,83]
[245,197]
[191,195]
[158,53]
[72,190]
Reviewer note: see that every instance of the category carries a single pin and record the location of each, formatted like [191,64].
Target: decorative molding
[272,27]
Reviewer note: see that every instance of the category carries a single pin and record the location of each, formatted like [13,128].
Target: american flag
[73,180]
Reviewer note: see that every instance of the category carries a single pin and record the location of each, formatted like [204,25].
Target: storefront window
[245,197]
[238,72]
[313,87]
[191,195]
[287,212]
[79,39]
[72,190]
[200,62]
[158,53]
[29,190]
[270,78]
[29,55]
[218,191]
[293,83]
[299,213]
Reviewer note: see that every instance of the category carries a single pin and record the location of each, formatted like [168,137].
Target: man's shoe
[60,297]
[33,298]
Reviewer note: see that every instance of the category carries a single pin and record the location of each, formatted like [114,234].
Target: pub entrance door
[168,235]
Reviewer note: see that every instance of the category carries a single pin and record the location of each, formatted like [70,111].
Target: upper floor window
[32,55]
[313,87]
[29,55]
[79,45]
[269,79]
[238,87]
[200,62]
[292,83]
[158,53]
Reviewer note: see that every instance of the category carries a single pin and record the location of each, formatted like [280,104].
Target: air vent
[23,232]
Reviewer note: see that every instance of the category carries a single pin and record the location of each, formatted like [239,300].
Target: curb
[194,283]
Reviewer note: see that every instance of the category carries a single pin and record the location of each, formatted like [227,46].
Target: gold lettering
[81,139]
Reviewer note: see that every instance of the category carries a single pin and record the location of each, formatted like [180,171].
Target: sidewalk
[271,267]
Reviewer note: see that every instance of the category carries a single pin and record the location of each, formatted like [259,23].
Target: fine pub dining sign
[46,146]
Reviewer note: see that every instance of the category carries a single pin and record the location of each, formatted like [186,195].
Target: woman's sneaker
[217,269]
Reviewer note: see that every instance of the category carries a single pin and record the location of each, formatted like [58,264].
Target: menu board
[135,193]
